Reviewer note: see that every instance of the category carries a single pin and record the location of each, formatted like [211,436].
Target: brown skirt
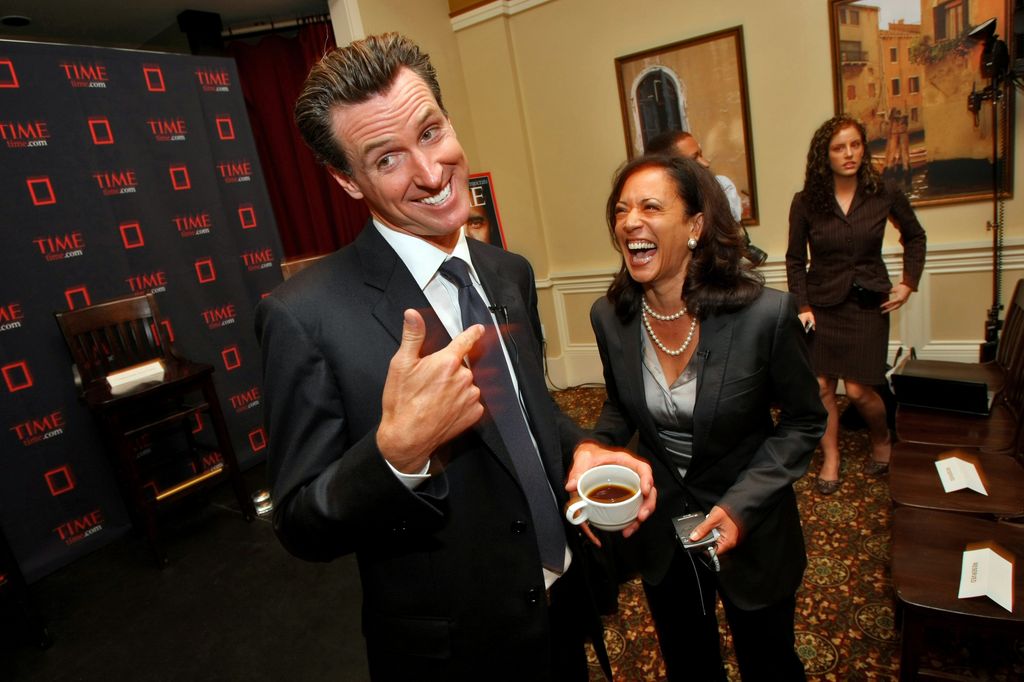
[849,342]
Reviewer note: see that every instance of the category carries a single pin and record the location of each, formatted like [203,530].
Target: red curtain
[314,215]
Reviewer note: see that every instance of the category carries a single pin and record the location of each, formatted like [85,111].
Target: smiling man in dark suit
[404,393]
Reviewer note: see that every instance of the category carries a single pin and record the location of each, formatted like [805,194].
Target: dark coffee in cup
[610,498]
[610,493]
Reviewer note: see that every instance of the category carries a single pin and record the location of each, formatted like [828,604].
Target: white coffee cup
[609,497]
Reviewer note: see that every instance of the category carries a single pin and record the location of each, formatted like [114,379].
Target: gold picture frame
[907,69]
[697,85]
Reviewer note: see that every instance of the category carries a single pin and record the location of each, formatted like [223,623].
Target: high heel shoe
[876,468]
[827,487]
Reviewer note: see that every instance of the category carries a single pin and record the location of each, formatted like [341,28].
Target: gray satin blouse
[671,407]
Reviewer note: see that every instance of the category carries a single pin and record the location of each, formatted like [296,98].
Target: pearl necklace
[659,316]
[657,341]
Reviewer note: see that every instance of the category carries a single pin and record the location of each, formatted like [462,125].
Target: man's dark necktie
[491,373]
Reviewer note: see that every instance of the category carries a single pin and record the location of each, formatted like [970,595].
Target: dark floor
[114,616]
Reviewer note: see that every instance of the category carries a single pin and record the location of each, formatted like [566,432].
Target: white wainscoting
[580,363]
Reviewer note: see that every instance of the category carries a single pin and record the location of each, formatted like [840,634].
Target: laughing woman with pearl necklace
[696,352]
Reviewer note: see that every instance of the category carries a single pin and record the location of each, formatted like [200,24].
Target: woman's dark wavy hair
[718,279]
[819,186]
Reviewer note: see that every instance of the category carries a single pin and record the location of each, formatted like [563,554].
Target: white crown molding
[498,8]
[347,21]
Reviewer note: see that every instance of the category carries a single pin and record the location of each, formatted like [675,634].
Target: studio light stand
[995,63]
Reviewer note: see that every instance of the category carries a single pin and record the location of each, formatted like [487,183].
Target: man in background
[685,144]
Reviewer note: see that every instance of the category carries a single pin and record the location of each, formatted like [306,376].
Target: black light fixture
[995,66]
[754,255]
[995,56]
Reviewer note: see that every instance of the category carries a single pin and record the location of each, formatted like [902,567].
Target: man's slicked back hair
[351,75]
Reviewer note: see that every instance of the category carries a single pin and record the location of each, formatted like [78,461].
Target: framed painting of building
[907,69]
[699,86]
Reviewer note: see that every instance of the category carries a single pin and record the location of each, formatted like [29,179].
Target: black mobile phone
[685,524]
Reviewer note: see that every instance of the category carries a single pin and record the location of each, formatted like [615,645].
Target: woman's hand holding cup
[629,471]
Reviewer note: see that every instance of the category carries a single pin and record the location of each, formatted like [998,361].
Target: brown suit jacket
[848,248]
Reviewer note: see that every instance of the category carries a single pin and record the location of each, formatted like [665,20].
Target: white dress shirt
[733,196]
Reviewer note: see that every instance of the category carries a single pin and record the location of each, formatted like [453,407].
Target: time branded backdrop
[121,172]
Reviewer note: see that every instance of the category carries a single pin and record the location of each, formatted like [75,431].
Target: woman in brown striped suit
[845,295]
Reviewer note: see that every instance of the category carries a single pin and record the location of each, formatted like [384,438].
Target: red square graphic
[131,235]
[205,270]
[231,357]
[225,128]
[247,216]
[70,295]
[179,177]
[168,330]
[41,190]
[158,339]
[258,439]
[16,376]
[60,480]
[264,295]
[198,422]
[154,78]
[8,78]
[99,128]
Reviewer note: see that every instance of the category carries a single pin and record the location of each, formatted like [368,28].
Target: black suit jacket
[451,574]
[752,359]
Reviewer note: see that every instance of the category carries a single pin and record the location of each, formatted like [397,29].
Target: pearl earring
[691,243]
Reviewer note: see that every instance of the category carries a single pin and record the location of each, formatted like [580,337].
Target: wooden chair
[290,267]
[995,433]
[927,550]
[1011,339]
[914,482]
[149,428]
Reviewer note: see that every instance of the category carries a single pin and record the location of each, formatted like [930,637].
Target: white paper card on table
[957,474]
[986,573]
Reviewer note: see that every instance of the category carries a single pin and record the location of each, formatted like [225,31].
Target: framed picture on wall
[910,71]
[699,86]
[484,220]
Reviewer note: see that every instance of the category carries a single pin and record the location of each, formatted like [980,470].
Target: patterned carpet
[845,621]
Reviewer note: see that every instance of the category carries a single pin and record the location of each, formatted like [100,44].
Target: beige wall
[961,300]
[565,51]
[536,86]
